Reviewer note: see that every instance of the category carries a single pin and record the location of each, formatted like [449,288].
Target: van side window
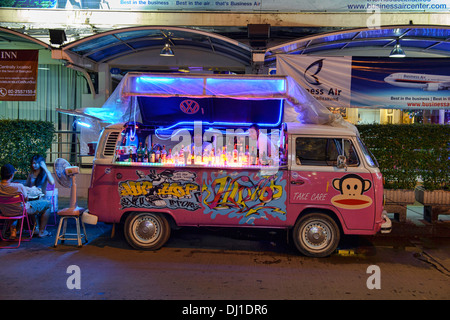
[323,151]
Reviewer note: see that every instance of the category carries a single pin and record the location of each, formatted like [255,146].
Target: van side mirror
[342,162]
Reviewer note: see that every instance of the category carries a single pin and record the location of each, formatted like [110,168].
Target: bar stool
[64,216]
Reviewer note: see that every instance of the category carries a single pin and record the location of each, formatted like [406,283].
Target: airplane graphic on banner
[427,82]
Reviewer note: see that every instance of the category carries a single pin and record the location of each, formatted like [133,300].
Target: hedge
[21,139]
[407,152]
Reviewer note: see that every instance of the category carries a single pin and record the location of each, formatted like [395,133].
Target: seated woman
[39,177]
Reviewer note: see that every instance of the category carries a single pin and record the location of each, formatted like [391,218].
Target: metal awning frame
[242,52]
[363,35]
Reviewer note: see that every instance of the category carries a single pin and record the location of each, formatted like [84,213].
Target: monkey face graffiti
[352,188]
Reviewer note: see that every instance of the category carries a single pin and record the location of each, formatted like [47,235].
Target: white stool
[70,236]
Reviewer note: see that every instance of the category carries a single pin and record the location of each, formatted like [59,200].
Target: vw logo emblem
[189,106]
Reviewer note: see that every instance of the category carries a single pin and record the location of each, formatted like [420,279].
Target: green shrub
[21,139]
[406,152]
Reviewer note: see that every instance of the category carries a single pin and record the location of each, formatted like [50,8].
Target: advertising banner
[18,75]
[401,83]
[328,79]
[368,82]
[240,5]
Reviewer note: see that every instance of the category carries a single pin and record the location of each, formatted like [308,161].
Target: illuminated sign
[18,75]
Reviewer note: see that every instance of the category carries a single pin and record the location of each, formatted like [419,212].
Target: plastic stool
[64,235]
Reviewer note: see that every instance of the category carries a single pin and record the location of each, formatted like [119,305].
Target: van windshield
[367,154]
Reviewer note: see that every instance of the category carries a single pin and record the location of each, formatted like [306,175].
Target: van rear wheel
[146,231]
[316,235]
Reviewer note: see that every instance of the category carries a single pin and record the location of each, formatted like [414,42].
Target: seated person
[39,175]
[34,208]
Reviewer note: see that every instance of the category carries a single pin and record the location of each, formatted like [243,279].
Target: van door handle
[298,182]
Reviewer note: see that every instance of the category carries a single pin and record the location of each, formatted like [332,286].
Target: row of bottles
[194,156]
[188,156]
[156,154]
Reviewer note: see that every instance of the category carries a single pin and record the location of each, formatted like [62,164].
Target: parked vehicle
[192,161]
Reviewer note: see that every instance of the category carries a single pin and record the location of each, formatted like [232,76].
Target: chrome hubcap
[146,229]
[316,235]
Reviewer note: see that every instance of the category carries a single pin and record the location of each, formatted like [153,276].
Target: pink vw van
[194,157]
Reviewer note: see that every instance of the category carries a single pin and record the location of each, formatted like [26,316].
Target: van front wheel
[316,235]
[146,231]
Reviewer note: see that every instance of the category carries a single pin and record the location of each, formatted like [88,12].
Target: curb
[421,228]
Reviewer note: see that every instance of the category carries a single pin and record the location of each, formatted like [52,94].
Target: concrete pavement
[414,230]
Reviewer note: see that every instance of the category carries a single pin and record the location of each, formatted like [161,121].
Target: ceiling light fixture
[397,52]
[166,51]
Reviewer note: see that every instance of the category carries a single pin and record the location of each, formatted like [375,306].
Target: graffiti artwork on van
[167,189]
[247,196]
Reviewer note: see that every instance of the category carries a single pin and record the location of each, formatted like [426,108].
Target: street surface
[231,265]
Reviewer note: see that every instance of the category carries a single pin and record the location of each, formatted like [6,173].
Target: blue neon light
[155,79]
[107,114]
[188,86]
[166,85]
[231,124]
[238,86]
[83,124]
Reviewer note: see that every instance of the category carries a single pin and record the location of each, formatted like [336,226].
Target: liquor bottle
[175,156]
[241,156]
[219,156]
[181,155]
[206,157]
[235,154]
[130,159]
[246,156]
[152,154]
[263,160]
[140,153]
[164,155]
[213,156]
[157,154]
[223,160]
[198,156]
[230,151]
[186,156]
[253,157]
[169,159]
[146,153]
[192,155]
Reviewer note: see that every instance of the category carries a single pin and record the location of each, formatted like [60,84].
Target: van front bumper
[386,224]
[89,218]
